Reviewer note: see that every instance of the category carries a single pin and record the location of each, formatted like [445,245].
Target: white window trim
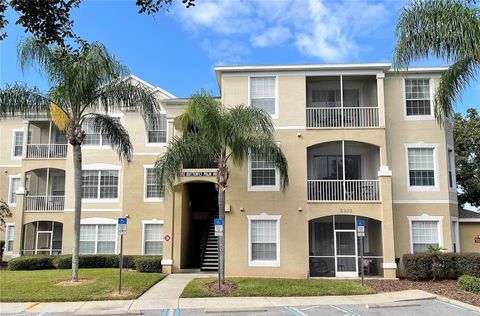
[151,221]
[14,131]
[432,91]
[102,167]
[101,221]
[452,188]
[436,187]
[263,263]
[89,147]
[7,250]
[148,144]
[455,222]
[145,199]
[425,218]
[10,177]
[276,114]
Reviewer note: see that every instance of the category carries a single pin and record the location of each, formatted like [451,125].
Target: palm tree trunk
[221,239]
[77,170]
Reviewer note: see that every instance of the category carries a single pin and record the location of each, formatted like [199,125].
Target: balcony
[45,141]
[45,190]
[343,171]
[342,102]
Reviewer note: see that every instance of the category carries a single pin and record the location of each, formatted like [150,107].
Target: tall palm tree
[82,83]
[213,133]
[446,29]
[4,213]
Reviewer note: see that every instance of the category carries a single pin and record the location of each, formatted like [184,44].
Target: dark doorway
[203,207]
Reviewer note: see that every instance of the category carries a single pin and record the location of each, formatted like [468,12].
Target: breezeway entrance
[334,247]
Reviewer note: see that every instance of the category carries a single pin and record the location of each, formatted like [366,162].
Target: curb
[459,304]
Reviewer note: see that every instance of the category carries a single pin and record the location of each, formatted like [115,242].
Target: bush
[469,283]
[423,266]
[149,263]
[36,262]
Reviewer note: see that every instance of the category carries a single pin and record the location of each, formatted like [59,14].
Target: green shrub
[423,266]
[95,261]
[36,262]
[149,263]
[469,283]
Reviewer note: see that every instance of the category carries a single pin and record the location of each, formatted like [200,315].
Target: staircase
[210,253]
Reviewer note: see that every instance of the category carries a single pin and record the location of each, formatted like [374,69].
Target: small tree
[466,131]
[82,84]
[213,133]
[4,213]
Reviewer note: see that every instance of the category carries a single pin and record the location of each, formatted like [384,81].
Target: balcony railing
[42,151]
[337,117]
[343,190]
[42,203]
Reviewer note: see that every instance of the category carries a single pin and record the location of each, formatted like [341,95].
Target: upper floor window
[263,175]
[100,184]
[152,191]
[421,167]
[17,144]
[14,185]
[417,97]
[92,137]
[263,94]
[157,130]
[97,238]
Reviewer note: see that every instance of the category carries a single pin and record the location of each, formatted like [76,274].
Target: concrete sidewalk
[148,302]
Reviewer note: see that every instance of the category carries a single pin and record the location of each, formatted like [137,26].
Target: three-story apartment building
[362,144]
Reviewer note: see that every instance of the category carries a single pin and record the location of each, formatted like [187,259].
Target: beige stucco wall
[468,231]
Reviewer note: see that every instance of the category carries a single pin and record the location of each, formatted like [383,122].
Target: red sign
[167,237]
[477,239]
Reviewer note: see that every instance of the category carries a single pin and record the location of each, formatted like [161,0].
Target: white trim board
[425,202]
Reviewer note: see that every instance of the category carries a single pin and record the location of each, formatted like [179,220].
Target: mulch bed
[447,288]
[225,290]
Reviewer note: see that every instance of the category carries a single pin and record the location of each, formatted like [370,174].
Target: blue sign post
[361,235]
[121,230]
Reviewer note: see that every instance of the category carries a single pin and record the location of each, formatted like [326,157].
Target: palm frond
[115,133]
[189,148]
[17,99]
[59,117]
[452,83]
[4,212]
[447,29]
[243,120]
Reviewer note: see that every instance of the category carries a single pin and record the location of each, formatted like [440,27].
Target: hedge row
[469,283]
[41,262]
[423,266]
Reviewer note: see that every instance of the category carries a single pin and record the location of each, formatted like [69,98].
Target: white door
[346,253]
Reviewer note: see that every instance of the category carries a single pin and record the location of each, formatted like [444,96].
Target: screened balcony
[45,190]
[42,238]
[45,141]
[342,102]
[343,171]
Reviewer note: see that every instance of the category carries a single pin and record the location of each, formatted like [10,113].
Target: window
[421,167]
[157,130]
[97,238]
[92,137]
[9,237]
[14,185]
[424,234]
[263,94]
[152,238]
[451,168]
[100,184]
[264,240]
[151,185]
[417,97]
[17,144]
[263,175]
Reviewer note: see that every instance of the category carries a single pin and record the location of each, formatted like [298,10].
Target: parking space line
[295,311]
[348,312]
[456,306]
[311,307]
[177,312]
[164,312]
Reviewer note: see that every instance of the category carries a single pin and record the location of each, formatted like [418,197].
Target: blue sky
[177,50]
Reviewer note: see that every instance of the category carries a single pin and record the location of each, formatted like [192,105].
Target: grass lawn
[99,284]
[279,287]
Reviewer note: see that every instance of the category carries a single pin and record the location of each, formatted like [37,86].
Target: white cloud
[323,29]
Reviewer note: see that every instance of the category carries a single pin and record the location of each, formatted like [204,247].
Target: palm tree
[446,29]
[82,83]
[4,213]
[213,133]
